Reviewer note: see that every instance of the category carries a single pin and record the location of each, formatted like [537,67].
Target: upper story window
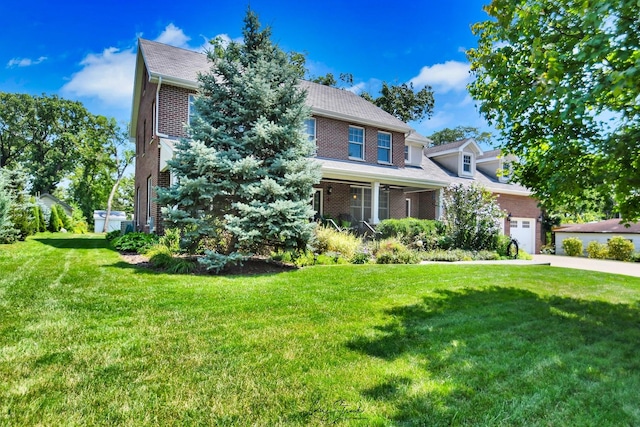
[407,154]
[384,147]
[467,164]
[356,143]
[310,128]
[192,108]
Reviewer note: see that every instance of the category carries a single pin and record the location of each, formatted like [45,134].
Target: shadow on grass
[75,241]
[508,356]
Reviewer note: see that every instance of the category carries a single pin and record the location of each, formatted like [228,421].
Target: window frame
[470,171]
[362,144]
[407,154]
[191,108]
[149,197]
[389,149]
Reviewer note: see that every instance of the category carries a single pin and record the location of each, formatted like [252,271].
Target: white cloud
[450,76]
[174,36]
[25,62]
[107,76]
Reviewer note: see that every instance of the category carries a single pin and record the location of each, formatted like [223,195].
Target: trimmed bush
[572,246]
[112,235]
[620,248]
[597,250]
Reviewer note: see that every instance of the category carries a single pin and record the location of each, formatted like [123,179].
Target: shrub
[597,250]
[112,235]
[160,256]
[361,257]
[331,240]
[419,233]
[548,249]
[55,223]
[572,246]
[135,242]
[620,249]
[502,245]
[171,239]
[392,251]
[473,217]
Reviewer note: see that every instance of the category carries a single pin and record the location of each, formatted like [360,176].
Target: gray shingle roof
[446,147]
[182,66]
[173,62]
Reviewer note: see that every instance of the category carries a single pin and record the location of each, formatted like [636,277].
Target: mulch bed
[252,266]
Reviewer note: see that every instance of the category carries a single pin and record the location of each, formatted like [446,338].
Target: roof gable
[467,144]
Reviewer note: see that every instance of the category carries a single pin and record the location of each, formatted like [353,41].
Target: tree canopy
[447,135]
[561,82]
[400,100]
[54,139]
[245,177]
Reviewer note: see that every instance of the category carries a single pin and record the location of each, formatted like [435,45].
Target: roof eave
[359,120]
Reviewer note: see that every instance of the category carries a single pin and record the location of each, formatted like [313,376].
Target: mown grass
[86,339]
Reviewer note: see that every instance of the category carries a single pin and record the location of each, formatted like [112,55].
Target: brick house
[374,166]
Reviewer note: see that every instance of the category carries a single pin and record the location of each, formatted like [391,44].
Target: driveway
[605,266]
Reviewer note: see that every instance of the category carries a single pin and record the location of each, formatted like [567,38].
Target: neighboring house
[599,231]
[374,166]
[48,200]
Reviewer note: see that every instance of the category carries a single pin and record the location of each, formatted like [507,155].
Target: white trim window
[192,108]
[356,143]
[149,196]
[310,128]
[407,207]
[384,147]
[317,202]
[467,164]
[407,154]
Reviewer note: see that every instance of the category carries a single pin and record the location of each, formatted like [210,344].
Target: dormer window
[466,164]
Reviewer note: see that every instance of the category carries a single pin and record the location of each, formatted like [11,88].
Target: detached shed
[115,219]
[599,231]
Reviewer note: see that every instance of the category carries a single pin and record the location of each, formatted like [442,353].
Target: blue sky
[86,50]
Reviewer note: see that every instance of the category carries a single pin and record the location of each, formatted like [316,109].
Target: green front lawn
[86,339]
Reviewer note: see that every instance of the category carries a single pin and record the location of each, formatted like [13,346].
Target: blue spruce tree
[245,177]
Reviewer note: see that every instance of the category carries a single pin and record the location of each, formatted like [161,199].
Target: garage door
[524,231]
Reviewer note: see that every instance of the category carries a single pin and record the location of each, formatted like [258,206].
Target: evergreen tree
[245,178]
[16,185]
[55,224]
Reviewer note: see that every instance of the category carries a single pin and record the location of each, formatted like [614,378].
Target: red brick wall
[427,202]
[147,153]
[333,141]
[174,110]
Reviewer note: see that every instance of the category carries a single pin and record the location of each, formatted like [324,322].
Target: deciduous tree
[560,80]
[447,135]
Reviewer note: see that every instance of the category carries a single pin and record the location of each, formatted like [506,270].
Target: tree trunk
[109,201]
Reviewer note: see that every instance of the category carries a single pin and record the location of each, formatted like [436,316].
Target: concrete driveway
[605,266]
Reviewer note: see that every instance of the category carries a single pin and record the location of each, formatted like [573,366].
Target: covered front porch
[370,193]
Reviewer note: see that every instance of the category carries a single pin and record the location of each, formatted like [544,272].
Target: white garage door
[524,231]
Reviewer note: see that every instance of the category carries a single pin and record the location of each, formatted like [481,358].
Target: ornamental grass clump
[331,240]
[393,251]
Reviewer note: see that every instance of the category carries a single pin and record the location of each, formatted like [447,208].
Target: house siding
[332,138]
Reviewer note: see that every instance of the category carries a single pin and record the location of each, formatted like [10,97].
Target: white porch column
[439,204]
[375,202]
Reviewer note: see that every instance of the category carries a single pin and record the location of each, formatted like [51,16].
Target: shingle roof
[489,154]
[182,66]
[607,226]
[173,62]
[446,147]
